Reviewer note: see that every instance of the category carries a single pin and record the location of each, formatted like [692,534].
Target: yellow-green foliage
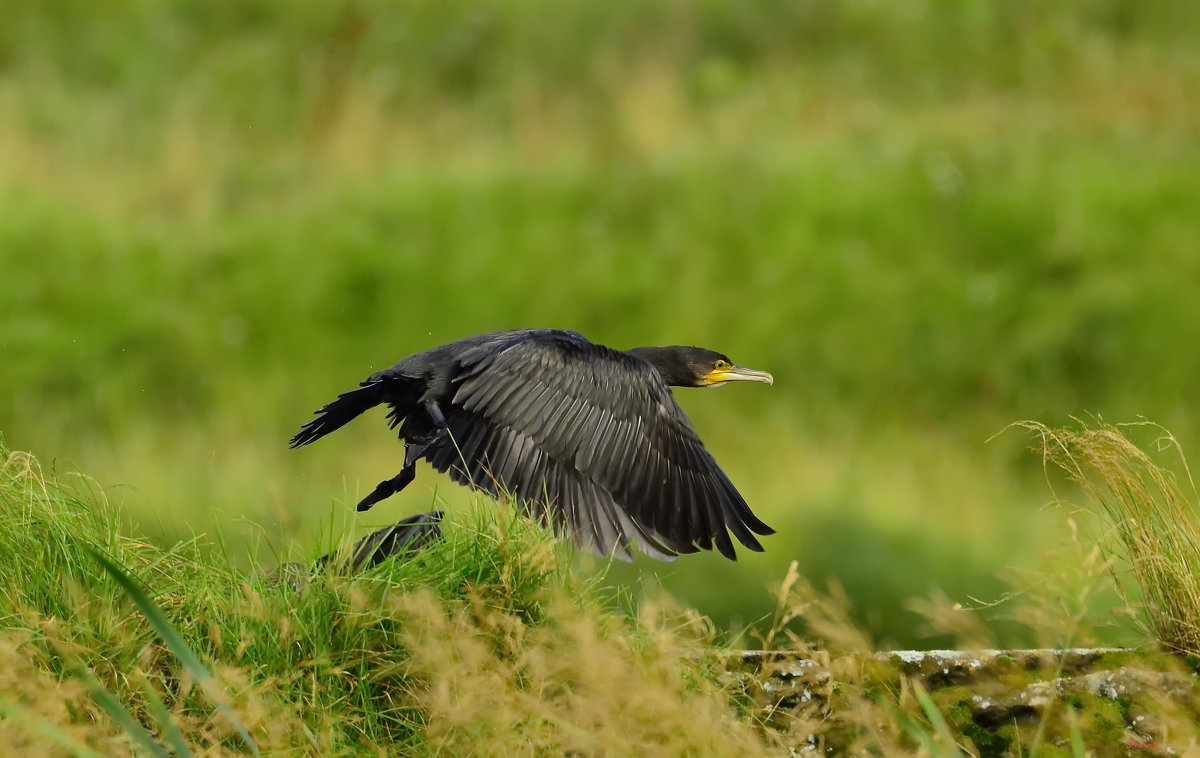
[488,643]
[42,715]
[483,645]
[1154,518]
[580,682]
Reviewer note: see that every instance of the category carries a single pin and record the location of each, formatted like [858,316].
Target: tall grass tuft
[1154,517]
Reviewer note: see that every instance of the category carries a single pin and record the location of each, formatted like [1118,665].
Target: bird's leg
[412,453]
[389,487]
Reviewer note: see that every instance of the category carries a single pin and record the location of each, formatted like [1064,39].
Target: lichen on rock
[993,701]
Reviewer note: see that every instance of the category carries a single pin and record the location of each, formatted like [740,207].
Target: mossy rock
[994,700]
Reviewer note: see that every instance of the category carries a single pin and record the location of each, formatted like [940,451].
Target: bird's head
[685,366]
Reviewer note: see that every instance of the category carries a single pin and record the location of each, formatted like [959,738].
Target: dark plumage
[409,535]
[587,438]
[402,539]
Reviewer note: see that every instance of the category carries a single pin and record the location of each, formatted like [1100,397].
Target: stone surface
[995,701]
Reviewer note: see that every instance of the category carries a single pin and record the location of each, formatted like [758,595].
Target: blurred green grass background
[927,219]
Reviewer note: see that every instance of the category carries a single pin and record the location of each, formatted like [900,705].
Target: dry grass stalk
[1154,518]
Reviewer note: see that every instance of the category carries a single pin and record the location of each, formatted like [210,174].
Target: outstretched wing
[591,441]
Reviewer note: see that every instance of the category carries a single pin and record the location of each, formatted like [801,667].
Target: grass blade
[15,712]
[948,746]
[112,706]
[1077,747]
[175,642]
[166,724]
[916,732]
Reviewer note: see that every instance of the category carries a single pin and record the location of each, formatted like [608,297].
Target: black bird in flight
[587,438]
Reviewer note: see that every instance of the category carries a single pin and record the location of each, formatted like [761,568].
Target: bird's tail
[410,534]
[348,406]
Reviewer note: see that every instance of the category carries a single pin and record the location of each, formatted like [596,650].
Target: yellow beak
[737,374]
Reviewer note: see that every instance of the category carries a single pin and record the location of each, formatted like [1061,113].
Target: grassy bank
[453,650]
[492,643]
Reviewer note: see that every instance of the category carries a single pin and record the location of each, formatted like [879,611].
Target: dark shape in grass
[407,536]
[588,439]
[399,540]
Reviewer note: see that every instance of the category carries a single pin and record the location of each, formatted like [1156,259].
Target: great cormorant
[587,438]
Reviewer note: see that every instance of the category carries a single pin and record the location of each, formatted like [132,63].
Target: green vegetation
[487,643]
[479,640]
[926,220]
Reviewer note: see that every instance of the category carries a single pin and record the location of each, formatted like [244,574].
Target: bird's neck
[666,363]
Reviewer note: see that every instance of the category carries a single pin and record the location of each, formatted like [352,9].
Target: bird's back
[448,358]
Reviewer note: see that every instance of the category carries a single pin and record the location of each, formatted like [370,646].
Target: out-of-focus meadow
[927,219]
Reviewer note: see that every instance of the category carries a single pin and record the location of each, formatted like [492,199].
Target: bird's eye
[721,364]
